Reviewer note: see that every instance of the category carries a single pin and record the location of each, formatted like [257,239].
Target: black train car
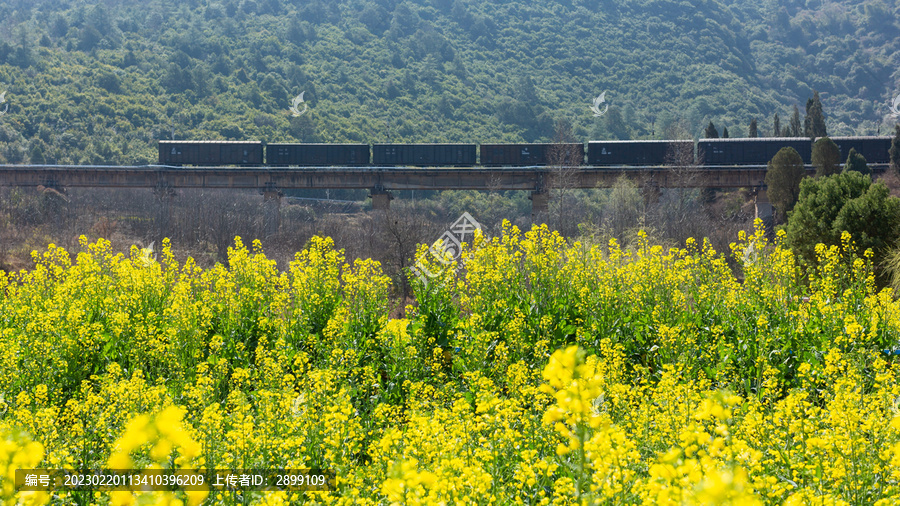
[874,149]
[317,155]
[210,153]
[523,155]
[749,151]
[423,155]
[642,152]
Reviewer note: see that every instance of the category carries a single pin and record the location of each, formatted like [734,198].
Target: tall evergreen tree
[783,176]
[895,150]
[794,127]
[814,123]
[776,126]
[725,132]
[826,156]
[753,130]
[857,163]
[711,132]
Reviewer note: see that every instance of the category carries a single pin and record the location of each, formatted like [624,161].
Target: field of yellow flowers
[544,372]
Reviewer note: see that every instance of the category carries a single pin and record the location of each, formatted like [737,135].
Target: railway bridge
[381,181]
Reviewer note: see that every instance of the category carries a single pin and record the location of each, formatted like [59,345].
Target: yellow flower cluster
[543,372]
[17,451]
[164,434]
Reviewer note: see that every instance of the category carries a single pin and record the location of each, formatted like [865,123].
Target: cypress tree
[794,127]
[711,132]
[725,133]
[753,131]
[776,126]
[856,162]
[814,123]
[783,176]
[826,156]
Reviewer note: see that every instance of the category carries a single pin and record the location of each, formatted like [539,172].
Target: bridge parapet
[386,178]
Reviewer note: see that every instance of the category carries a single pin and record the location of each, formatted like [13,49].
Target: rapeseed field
[542,372]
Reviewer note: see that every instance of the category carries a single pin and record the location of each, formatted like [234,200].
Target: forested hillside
[100,82]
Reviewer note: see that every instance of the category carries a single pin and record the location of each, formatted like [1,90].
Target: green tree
[848,202]
[725,132]
[856,162]
[814,123]
[794,127]
[776,126]
[895,150]
[826,156]
[615,124]
[783,176]
[753,131]
[711,132]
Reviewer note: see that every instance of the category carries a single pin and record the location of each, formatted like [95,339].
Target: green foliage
[776,126]
[814,123]
[711,132]
[615,125]
[842,202]
[856,163]
[826,156]
[895,150]
[794,127]
[753,130]
[783,176]
[130,72]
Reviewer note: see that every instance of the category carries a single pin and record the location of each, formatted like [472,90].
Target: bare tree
[625,208]
[399,231]
[678,213]
[565,158]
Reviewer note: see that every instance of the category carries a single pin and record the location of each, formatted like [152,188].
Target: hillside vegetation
[94,82]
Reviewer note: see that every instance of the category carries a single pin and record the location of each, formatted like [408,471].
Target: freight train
[706,152]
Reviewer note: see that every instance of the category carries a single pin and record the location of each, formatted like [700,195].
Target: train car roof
[850,137]
[162,141]
[756,139]
[636,141]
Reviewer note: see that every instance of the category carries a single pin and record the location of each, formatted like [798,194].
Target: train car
[749,151]
[210,153]
[423,155]
[317,155]
[523,155]
[874,149]
[641,152]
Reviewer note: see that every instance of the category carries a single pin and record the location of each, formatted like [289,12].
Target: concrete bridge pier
[271,210]
[381,198]
[540,205]
[651,193]
[764,210]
